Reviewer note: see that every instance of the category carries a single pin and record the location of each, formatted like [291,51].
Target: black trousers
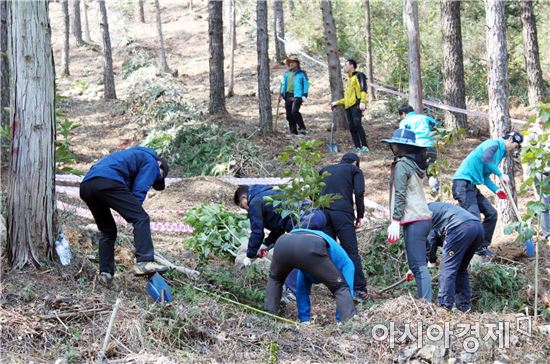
[354,115]
[469,198]
[308,253]
[341,224]
[292,107]
[101,195]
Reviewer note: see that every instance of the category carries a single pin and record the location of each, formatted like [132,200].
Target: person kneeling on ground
[120,181]
[320,260]
[463,234]
[408,206]
[263,216]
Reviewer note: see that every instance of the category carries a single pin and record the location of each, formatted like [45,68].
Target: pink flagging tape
[74,192]
[172,227]
[254,181]
[77,179]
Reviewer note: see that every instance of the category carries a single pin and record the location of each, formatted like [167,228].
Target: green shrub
[212,150]
[383,263]
[246,286]
[216,231]
[497,287]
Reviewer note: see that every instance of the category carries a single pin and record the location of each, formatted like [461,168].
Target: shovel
[277,115]
[332,148]
[529,245]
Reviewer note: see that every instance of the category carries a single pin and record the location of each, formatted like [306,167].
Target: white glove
[362,106]
[504,178]
[246,262]
[333,104]
[304,99]
[393,231]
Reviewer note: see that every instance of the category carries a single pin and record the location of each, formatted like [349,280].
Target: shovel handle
[511,198]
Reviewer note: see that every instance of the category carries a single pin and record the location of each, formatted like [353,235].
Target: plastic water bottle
[63,250]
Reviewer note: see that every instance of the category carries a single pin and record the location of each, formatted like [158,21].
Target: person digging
[476,169]
[263,216]
[120,181]
[320,259]
[462,234]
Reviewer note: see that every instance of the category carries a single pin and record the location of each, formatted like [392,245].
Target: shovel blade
[332,148]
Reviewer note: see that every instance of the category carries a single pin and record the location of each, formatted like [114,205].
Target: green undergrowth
[208,150]
[498,287]
[216,231]
[383,263]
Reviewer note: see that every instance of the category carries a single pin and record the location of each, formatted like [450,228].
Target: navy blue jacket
[135,167]
[263,216]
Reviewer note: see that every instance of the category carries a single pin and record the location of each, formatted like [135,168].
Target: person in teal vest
[422,126]
[294,90]
[477,169]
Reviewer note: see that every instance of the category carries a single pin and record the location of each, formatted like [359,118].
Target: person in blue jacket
[477,169]
[320,260]
[263,216]
[422,126]
[294,90]
[120,181]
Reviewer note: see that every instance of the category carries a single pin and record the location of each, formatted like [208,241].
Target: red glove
[263,252]
[280,97]
[502,195]
[410,276]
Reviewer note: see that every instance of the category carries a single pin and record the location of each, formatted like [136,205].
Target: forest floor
[62,313]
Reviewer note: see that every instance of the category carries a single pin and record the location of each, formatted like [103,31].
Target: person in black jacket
[462,234]
[346,179]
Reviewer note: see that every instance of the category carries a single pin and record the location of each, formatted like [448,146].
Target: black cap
[515,136]
[350,158]
[159,184]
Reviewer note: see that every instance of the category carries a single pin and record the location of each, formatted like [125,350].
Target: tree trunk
[497,69]
[4,63]
[141,12]
[31,185]
[334,69]
[531,52]
[279,30]
[453,67]
[162,52]
[233,45]
[262,44]
[368,37]
[215,36]
[76,24]
[86,23]
[109,92]
[66,34]
[410,19]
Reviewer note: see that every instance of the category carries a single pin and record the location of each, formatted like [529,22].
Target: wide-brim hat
[160,184]
[292,58]
[403,136]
